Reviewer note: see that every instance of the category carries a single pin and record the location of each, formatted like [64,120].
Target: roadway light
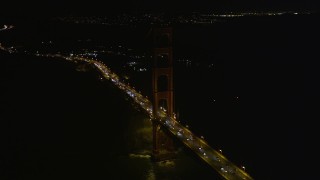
[220,151]
[244,168]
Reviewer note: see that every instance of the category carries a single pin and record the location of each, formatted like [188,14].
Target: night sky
[58,7]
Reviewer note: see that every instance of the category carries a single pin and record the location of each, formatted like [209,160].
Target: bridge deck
[216,160]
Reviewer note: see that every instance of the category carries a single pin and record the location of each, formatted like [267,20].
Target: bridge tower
[162,90]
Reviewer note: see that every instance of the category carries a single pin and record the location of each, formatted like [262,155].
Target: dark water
[255,103]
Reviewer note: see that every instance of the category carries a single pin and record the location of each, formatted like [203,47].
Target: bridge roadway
[216,160]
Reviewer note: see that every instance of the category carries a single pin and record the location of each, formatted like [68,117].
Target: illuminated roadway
[216,160]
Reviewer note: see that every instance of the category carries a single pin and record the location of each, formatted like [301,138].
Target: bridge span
[213,158]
